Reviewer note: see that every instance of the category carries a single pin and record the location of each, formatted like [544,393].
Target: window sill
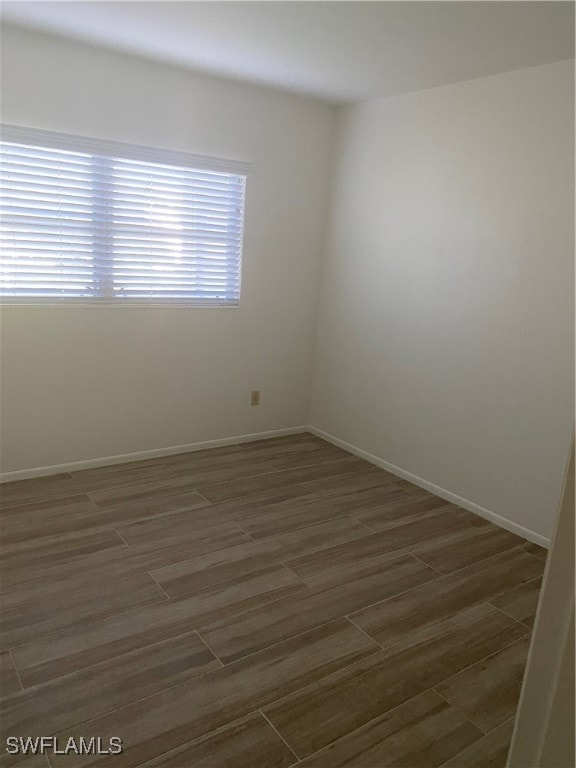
[16,304]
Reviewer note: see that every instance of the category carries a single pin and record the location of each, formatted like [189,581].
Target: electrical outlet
[255,397]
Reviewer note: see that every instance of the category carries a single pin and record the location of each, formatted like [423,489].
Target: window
[100,222]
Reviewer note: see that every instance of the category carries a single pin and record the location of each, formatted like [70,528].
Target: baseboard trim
[56,469]
[471,506]
[123,458]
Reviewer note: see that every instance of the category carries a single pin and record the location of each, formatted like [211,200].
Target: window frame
[141,153]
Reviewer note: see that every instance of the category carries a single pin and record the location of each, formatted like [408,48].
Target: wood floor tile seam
[208,502]
[469,666]
[265,539]
[502,725]
[529,627]
[516,547]
[508,616]
[530,581]
[277,732]
[252,474]
[164,514]
[11,504]
[196,678]
[50,499]
[133,652]
[167,474]
[410,516]
[158,584]
[363,632]
[211,733]
[416,490]
[300,501]
[361,522]
[131,703]
[453,573]
[288,439]
[162,600]
[244,531]
[148,517]
[459,537]
[307,466]
[22,584]
[110,525]
[345,490]
[202,640]
[197,630]
[311,592]
[312,700]
[529,546]
[313,524]
[42,579]
[270,471]
[172,511]
[189,629]
[308,629]
[23,547]
[171,474]
[414,637]
[303,485]
[117,532]
[376,649]
[390,558]
[315,464]
[373,720]
[391,597]
[418,546]
[340,516]
[429,566]
[299,760]
[16,670]
[16,585]
[457,709]
[309,586]
[227,582]
[542,559]
[165,598]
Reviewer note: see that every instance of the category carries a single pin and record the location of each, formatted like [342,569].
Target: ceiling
[336,51]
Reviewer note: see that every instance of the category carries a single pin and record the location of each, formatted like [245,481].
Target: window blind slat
[30,169]
[100,227]
[47,173]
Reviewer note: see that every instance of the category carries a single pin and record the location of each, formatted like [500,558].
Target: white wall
[85,383]
[444,343]
[445,337]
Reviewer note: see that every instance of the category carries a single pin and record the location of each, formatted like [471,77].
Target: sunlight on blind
[95,227]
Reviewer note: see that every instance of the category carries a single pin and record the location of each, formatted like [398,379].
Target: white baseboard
[123,458]
[56,469]
[471,506]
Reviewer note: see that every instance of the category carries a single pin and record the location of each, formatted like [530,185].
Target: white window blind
[88,221]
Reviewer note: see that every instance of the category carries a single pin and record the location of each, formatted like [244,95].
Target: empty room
[287,384]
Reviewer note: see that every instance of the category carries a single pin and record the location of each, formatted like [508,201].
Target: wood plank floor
[269,604]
